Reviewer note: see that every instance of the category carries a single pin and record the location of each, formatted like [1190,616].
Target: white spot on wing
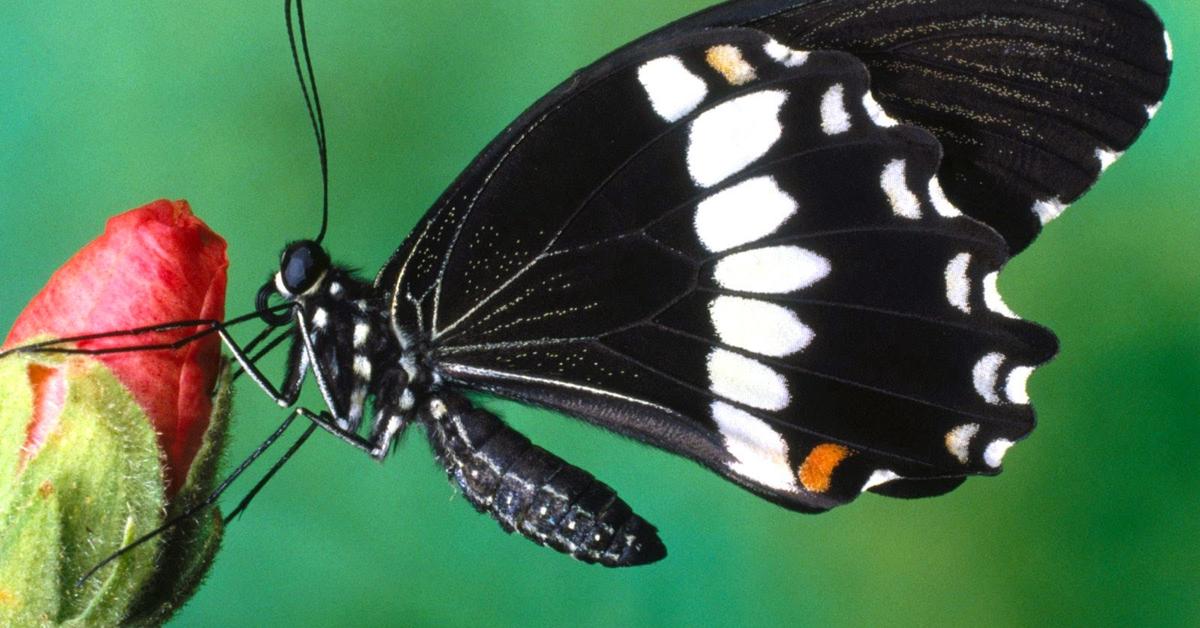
[958,286]
[834,117]
[759,452]
[984,375]
[1015,386]
[764,328]
[733,135]
[746,212]
[320,318]
[784,55]
[1048,210]
[673,90]
[772,270]
[941,204]
[994,454]
[1107,158]
[875,110]
[958,440]
[880,476]
[895,184]
[361,332]
[746,381]
[992,298]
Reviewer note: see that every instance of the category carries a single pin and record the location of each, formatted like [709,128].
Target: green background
[106,106]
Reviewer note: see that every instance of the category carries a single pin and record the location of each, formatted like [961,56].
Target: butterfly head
[302,268]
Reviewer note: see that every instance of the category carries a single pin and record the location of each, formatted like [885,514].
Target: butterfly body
[708,241]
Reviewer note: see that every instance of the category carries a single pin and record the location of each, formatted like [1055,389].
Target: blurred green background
[104,106]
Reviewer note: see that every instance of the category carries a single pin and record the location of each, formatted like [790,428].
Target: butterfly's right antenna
[313,103]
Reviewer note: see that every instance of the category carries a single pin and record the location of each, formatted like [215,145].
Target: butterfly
[765,237]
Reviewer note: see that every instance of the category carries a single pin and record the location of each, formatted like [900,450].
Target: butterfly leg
[533,492]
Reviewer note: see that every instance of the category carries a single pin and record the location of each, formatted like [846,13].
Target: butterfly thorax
[370,377]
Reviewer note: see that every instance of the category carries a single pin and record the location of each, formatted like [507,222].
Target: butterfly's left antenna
[313,103]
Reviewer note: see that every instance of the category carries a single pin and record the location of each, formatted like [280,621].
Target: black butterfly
[765,237]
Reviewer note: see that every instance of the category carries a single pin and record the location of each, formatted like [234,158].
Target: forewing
[723,247]
[1031,99]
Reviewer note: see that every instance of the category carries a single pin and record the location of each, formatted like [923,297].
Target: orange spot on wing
[729,62]
[817,470]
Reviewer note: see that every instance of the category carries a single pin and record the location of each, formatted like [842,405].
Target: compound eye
[302,265]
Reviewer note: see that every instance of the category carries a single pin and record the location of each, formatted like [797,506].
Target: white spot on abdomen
[1107,158]
[764,328]
[771,270]
[984,375]
[958,286]
[361,332]
[784,55]
[673,90]
[834,117]
[1048,210]
[895,184]
[362,367]
[729,137]
[958,441]
[746,381]
[759,452]
[746,212]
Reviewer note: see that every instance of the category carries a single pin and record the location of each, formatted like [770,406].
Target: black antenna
[313,104]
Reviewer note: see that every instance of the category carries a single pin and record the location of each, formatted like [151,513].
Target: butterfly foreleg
[531,491]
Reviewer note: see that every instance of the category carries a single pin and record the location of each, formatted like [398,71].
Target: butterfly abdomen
[533,492]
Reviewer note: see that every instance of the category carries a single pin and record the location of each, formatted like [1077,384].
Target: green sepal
[190,547]
[95,485]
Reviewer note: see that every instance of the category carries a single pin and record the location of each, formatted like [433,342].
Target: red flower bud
[154,264]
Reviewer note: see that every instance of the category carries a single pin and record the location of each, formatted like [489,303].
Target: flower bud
[97,450]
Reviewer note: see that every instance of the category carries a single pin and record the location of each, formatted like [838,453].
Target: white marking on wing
[834,117]
[958,441]
[760,453]
[877,113]
[729,137]
[994,454]
[984,375]
[880,476]
[1015,387]
[784,55]
[895,184]
[764,328]
[746,381]
[746,212]
[958,285]
[941,204]
[673,90]
[772,270]
[992,298]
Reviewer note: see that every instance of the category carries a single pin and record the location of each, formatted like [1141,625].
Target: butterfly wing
[723,247]
[1031,99]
